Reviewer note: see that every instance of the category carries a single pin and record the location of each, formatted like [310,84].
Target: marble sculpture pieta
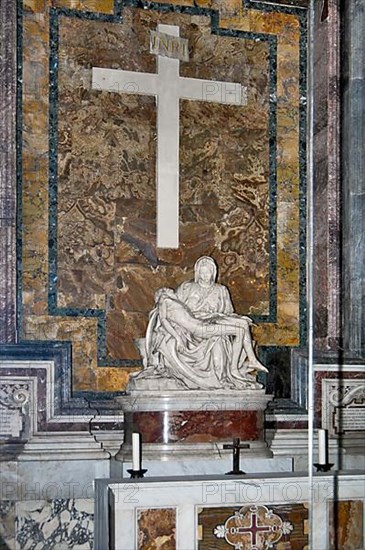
[195,339]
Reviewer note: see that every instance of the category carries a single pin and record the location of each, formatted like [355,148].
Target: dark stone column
[7,170]
[353,176]
[326,200]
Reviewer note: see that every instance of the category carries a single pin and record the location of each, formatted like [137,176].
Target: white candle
[136,451]
[322,446]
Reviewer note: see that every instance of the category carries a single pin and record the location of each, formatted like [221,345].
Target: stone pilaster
[327,263]
[7,171]
[353,177]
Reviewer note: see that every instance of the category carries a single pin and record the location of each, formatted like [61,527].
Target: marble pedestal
[176,425]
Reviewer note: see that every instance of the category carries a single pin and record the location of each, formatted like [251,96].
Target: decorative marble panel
[156,529]
[55,524]
[197,426]
[7,524]
[256,526]
[346,524]
[89,260]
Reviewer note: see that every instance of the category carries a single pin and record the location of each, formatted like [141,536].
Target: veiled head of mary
[205,270]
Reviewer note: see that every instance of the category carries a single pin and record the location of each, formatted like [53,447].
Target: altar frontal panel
[250,512]
[89,263]
[253,526]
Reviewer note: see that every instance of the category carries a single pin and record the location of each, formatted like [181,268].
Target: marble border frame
[53,162]
[65,403]
[301,13]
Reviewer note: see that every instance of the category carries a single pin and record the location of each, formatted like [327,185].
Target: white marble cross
[168,87]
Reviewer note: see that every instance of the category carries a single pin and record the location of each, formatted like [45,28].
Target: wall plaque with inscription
[14,408]
[343,408]
[11,423]
[349,419]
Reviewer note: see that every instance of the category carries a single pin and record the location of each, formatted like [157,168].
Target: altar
[251,512]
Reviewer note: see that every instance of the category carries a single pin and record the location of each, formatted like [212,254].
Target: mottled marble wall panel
[90,265]
[97,6]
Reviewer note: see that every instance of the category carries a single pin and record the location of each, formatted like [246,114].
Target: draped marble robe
[202,363]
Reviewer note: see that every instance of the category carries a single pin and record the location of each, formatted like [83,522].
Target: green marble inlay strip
[303,181]
[19,165]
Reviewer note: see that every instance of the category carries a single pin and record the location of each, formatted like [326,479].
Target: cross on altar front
[252,529]
[168,87]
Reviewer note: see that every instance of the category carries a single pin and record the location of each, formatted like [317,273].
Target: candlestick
[323,465]
[137,473]
[136,451]
[322,446]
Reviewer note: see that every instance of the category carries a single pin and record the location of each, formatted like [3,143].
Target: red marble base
[195,426]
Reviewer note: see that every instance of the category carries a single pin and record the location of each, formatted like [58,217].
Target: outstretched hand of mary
[195,339]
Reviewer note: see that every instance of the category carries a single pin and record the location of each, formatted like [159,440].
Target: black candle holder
[233,473]
[136,473]
[323,467]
